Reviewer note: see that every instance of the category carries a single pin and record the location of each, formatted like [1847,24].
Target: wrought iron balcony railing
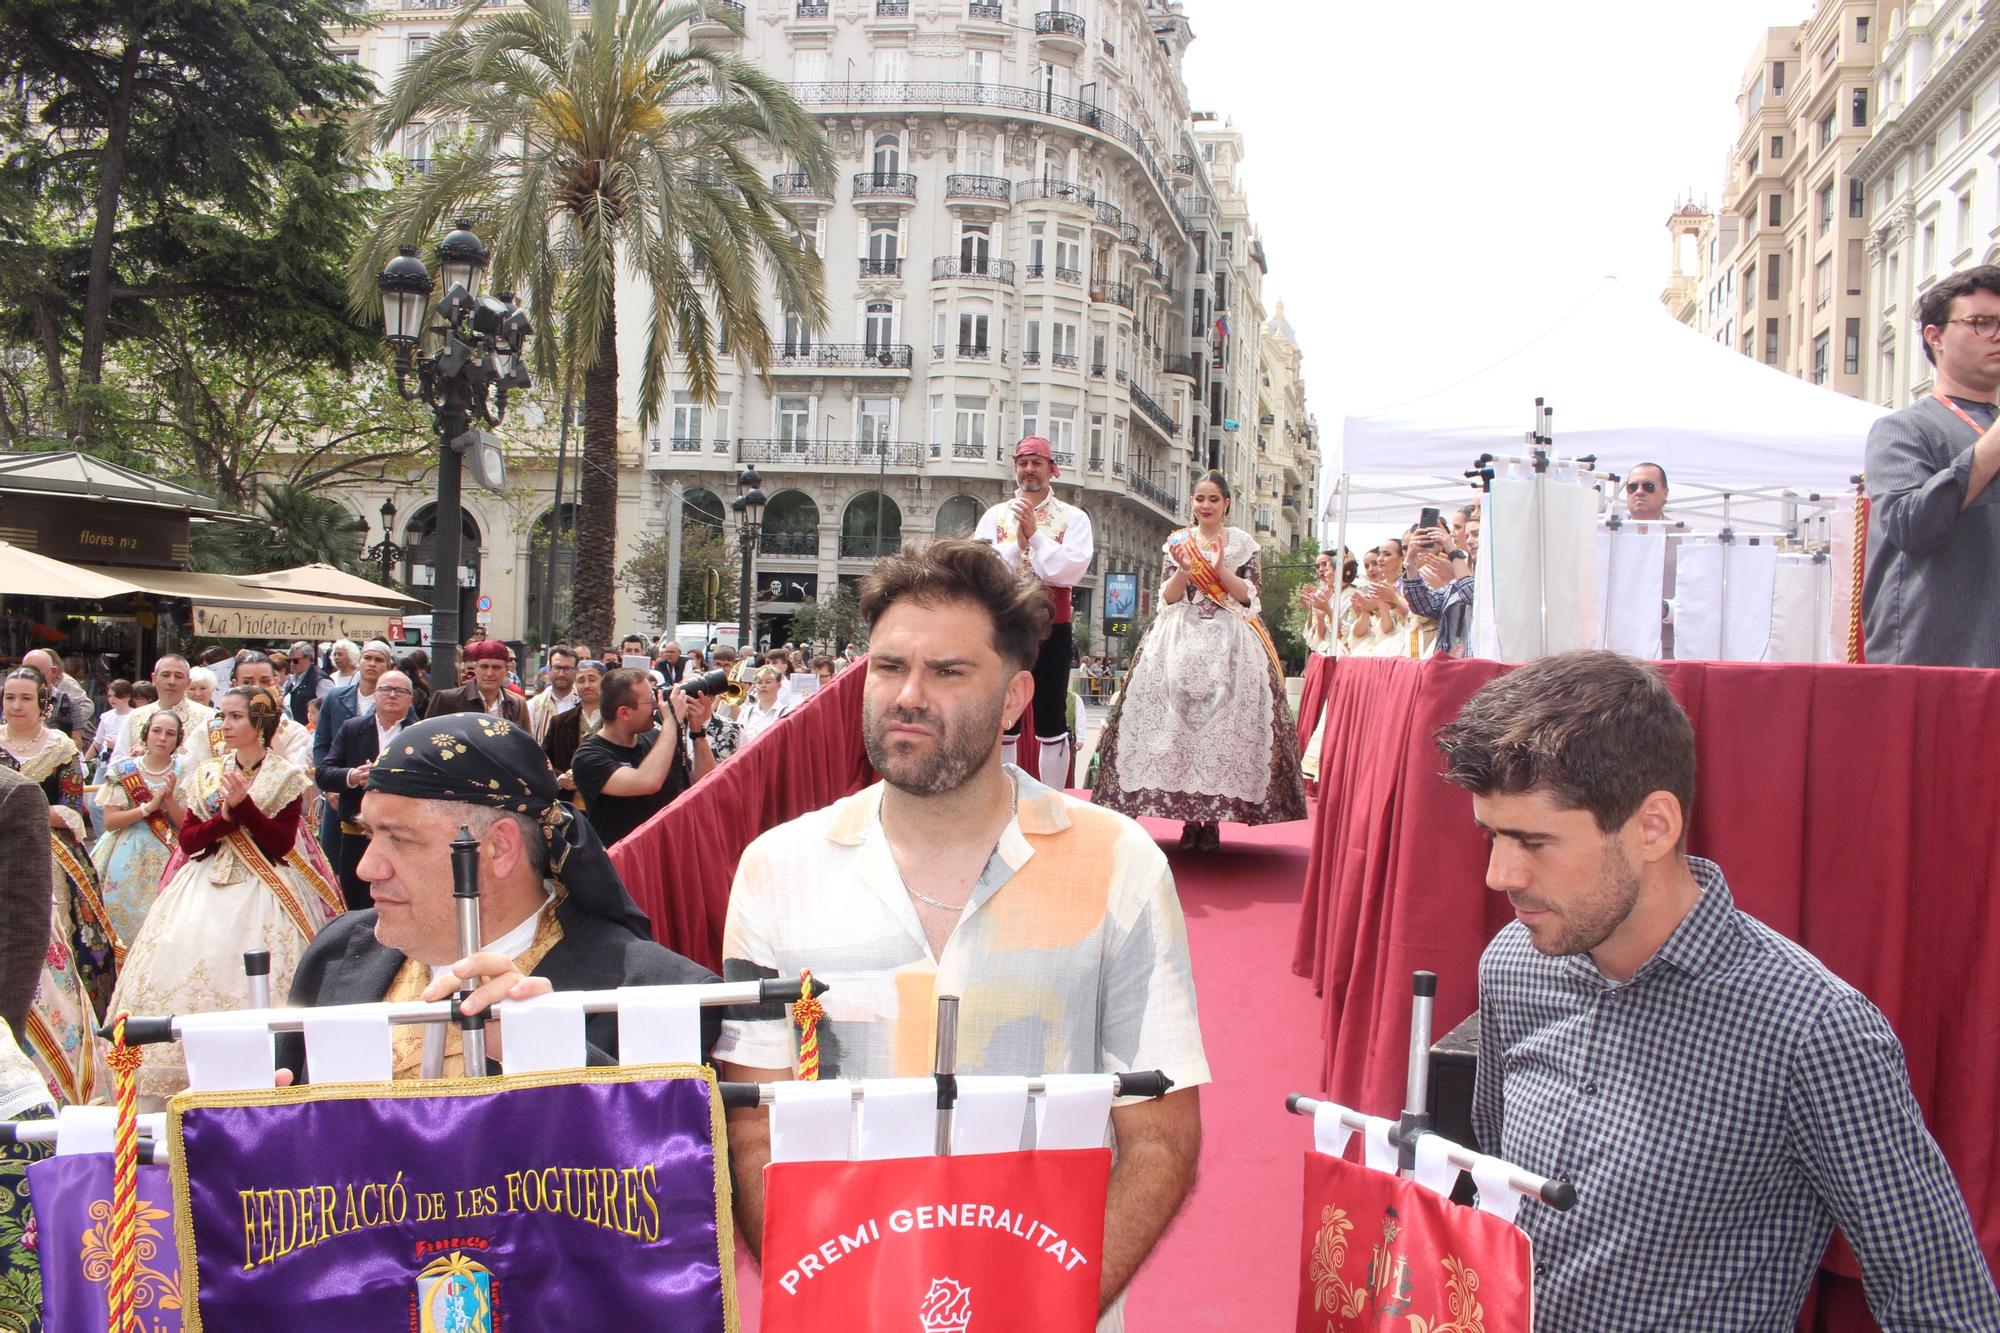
[830,453]
[1063,360]
[1113,293]
[1056,23]
[976,268]
[842,356]
[808,9]
[882,268]
[877,184]
[1050,188]
[1154,412]
[1068,274]
[1128,232]
[982,11]
[996,188]
[1159,495]
[1109,214]
[1181,164]
[1189,366]
[794,184]
[788,543]
[870,548]
[730,5]
[892,9]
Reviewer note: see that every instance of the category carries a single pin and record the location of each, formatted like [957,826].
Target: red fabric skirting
[679,864]
[1852,809]
[1319,679]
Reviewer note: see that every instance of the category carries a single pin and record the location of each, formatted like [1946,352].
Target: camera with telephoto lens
[717,683]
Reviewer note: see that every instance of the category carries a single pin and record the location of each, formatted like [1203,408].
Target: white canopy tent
[1627,383]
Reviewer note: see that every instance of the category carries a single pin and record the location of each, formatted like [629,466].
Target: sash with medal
[133,783]
[1204,577]
[208,804]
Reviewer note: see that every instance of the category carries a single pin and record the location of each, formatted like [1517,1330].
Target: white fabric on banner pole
[1801,606]
[85,1129]
[1702,601]
[228,1051]
[1330,1136]
[1073,1111]
[347,1047]
[898,1118]
[658,1025]
[1631,588]
[810,1121]
[542,1033]
[990,1115]
[1377,1152]
[1516,540]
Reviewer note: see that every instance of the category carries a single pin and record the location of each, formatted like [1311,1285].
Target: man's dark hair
[1655,466]
[623,688]
[639,639]
[1594,731]
[963,571]
[563,650]
[1935,306]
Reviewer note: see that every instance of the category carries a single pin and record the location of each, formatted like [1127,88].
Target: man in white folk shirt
[170,678]
[1043,540]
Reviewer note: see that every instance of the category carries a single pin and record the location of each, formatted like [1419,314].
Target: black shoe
[1210,838]
[1190,831]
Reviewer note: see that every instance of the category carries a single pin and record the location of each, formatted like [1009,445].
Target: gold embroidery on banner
[153,1288]
[1387,1291]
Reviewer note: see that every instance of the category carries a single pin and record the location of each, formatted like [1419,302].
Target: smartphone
[1428,519]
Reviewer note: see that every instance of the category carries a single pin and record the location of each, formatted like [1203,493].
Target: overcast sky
[1435,183]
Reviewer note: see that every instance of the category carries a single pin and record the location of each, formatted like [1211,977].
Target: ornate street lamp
[481,347]
[749,507]
[386,550]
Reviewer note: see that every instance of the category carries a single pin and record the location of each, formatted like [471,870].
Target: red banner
[936,1244]
[1381,1252]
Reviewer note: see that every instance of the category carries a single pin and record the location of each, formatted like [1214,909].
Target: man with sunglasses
[304,682]
[1646,493]
[1934,521]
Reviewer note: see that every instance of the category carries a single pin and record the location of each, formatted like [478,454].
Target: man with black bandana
[554,914]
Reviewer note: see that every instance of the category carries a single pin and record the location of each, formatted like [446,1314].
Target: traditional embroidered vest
[1053,517]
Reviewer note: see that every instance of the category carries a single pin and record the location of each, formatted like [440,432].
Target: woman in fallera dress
[78,970]
[142,810]
[246,876]
[1201,732]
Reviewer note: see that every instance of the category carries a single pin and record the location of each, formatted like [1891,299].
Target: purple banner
[585,1199]
[72,1201]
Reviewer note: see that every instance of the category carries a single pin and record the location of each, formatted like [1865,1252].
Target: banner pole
[257,977]
[465,896]
[945,1070]
[1416,1119]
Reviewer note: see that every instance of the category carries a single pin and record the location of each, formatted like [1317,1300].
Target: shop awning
[326,581]
[226,607]
[26,574]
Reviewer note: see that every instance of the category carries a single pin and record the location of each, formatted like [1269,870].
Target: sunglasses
[1634,487]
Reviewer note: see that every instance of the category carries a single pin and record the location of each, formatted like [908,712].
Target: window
[882,247]
[1096,443]
[1031,351]
[972,326]
[798,334]
[1774,280]
[1860,108]
[1821,346]
[1069,254]
[1851,354]
[1062,343]
[1826,208]
[1826,129]
[1031,417]
[1777,78]
[1776,209]
[975,247]
[1889,370]
[888,155]
[879,327]
[1037,242]
[980,65]
[1857,197]
[1755,162]
[873,421]
[1861,31]
[979,155]
[1777,146]
[1749,284]
[722,413]
[686,421]
[1965,236]
[794,422]
[892,64]
[1100,341]
[1062,432]
[1770,342]
[1118,447]
[969,428]
[809,65]
[1822,282]
[1927,249]
[1856,266]
[937,420]
[347,56]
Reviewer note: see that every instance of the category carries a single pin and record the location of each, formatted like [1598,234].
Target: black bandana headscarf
[488,761]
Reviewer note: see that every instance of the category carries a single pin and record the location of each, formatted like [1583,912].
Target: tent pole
[1339,569]
[1728,539]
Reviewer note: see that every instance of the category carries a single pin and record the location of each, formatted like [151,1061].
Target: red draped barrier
[1852,808]
[678,864]
[1319,679]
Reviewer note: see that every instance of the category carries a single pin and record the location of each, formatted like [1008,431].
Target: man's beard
[960,749]
[1591,921]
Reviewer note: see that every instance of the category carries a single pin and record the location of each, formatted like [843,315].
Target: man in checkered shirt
[1719,1099]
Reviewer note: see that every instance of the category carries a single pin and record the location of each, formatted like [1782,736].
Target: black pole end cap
[256,962]
[1424,985]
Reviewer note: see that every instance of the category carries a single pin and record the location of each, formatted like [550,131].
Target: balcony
[963,351]
[870,548]
[1197,205]
[991,13]
[881,268]
[1112,293]
[1181,164]
[885,185]
[418,166]
[1128,234]
[795,358]
[1109,216]
[1057,191]
[813,9]
[788,543]
[708,25]
[1063,458]
[973,268]
[1154,412]
[1063,360]
[986,190]
[1097,370]
[892,9]
[830,453]
[1061,30]
[797,185]
[1187,366]
[1159,495]
[684,446]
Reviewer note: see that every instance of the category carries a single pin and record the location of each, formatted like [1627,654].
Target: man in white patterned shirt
[1055,922]
[1719,1099]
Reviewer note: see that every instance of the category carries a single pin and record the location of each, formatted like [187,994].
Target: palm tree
[296,527]
[600,143]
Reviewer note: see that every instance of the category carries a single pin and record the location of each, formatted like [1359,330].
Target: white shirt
[755,720]
[364,704]
[511,945]
[1060,551]
[105,739]
[382,737]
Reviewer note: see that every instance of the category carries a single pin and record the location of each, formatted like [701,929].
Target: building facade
[1024,237]
[1287,437]
[1932,174]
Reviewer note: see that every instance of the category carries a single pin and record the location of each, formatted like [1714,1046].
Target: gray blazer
[27,891]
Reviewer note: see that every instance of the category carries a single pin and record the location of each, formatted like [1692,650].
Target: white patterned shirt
[1718,1113]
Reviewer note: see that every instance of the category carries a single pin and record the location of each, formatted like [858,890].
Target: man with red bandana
[1044,540]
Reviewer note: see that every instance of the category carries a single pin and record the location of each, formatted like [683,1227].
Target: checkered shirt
[1719,1113]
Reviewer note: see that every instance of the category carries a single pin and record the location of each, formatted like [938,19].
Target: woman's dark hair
[1594,731]
[262,706]
[119,689]
[1220,482]
[41,686]
[144,692]
[963,571]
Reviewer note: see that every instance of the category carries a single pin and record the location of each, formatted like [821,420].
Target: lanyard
[1959,412]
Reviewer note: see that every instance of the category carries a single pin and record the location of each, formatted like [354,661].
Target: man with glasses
[1646,493]
[1934,520]
[345,772]
[305,683]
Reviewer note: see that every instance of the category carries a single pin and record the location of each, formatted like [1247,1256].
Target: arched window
[879,328]
[791,525]
[420,540]
[888,156]
[546,547]
[957,517]
[701,505]
[871,527]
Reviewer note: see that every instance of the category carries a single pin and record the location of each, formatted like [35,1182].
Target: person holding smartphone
[635,765]
[1431,549]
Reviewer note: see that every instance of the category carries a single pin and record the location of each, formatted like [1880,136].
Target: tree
[1285,572]
[176,149]
[296,527]
[835,620]
[644,575]
[603,146]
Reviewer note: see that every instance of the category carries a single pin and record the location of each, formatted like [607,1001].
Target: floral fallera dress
[80,967]
[1201,732]
[131,861]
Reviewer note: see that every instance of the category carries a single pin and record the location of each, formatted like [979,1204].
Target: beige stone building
[1287,437]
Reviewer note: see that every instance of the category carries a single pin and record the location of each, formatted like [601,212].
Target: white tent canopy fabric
[1627,383]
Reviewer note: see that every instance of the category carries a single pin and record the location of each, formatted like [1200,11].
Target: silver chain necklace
[1013,809]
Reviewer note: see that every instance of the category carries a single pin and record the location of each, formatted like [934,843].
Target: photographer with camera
[636,764]
[1448,557]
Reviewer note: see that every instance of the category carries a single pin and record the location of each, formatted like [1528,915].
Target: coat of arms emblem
[454,1295]
[947,1307]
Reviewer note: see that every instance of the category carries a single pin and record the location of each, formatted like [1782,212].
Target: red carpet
[1231,1259]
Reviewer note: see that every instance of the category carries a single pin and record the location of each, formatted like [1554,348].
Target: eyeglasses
[391,689]
[1986,326]
[1634,487]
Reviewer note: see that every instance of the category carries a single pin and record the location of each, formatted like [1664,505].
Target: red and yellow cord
[807,1013]
[123,1290]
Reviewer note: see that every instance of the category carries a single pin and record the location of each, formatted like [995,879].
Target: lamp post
[480,342]
[749,507]
[386,550]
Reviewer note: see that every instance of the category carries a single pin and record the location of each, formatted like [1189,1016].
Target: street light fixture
[386,550]
[749,507]
[481,346]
